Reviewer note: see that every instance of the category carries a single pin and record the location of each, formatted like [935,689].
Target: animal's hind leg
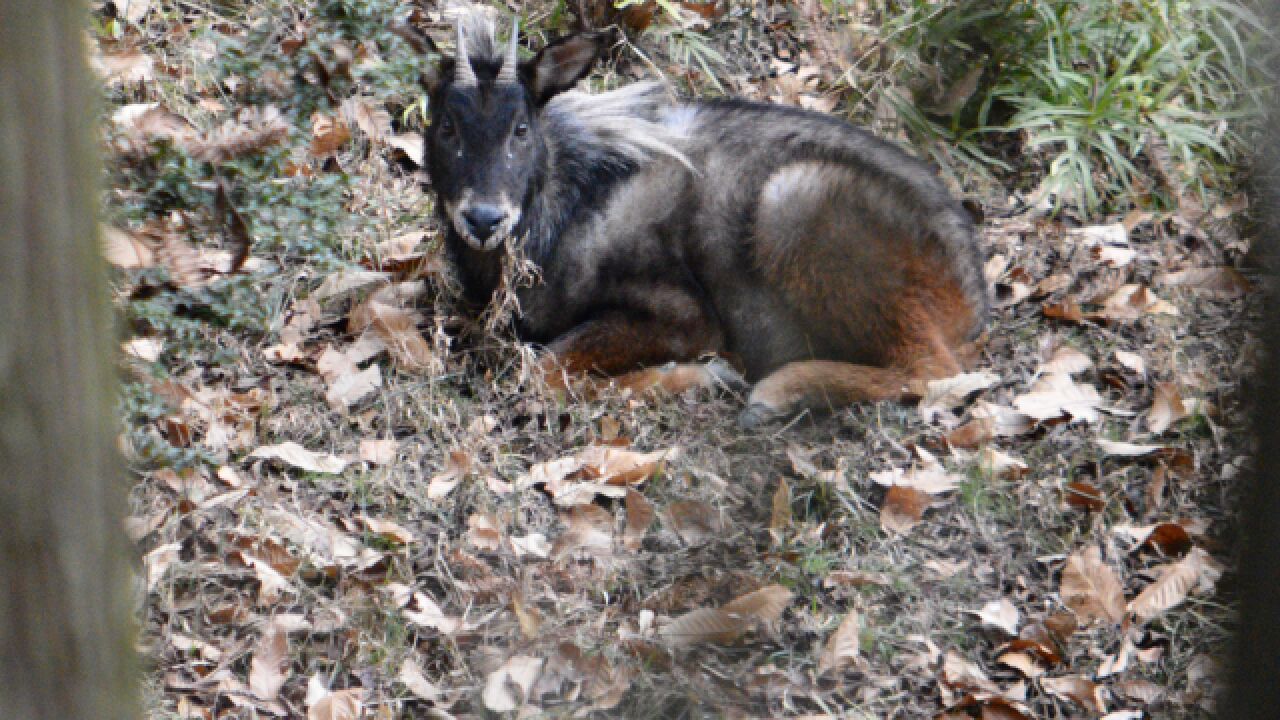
[825,384]
[821,384]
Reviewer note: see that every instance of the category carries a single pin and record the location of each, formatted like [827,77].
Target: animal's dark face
[485,146]
[482,149]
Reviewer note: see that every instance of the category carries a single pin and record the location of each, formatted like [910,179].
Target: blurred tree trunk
[1254,691]
[65,634]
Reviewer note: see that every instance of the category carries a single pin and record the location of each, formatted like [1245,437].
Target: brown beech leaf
[397,327]
[328,135]
[1000,614]
[1223,282]
[1127,449]
[457,466]
[1090,587]
[595,470]
[484,532]
[1056,395]
[413,678]
[124,67]
[389,531]
[1131,302]
[1132,362]
[1066,360]
[589,530]
[126,249]
[1169,539]
[345,704]
[368,115]
[1084,496]
[269,667]
[508,687]
[251,131]
[946,395]
[843,646]
[1078,690]
[780,515]
[379,452]
[926,475]
[729,622]
[903,509]
[995,463]
[420,609]
[1067,312]
[1175,581]
[294,454]
[640,516]
[1167,407]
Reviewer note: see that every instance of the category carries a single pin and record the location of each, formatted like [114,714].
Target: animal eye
[522,129]
[446,127]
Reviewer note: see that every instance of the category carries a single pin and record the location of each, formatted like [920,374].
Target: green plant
[1114,99]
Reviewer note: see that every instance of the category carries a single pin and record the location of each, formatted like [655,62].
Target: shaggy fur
[830,265]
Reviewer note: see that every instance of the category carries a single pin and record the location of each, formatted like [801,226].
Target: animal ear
[560,65]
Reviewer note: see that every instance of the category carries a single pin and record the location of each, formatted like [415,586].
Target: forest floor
[351,503]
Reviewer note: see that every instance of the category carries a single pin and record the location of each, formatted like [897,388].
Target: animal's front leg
[640,354]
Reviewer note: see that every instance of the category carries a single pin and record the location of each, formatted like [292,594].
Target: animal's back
[816,240]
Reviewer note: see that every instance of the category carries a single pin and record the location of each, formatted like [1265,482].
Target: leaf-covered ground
[352,502]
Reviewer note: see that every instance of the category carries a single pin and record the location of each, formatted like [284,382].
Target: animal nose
[482,220]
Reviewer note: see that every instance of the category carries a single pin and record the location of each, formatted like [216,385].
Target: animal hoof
[756,415]
[723,376]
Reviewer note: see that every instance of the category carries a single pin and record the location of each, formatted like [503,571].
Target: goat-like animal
[832,265]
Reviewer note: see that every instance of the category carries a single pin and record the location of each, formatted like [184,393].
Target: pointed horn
[463,74]
[507,75]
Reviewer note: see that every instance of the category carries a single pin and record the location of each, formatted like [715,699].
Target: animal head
[485,147]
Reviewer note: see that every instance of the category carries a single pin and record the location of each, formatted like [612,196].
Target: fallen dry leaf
[157,562]
[1223,282]
[484,533]
[1090,587]
[1132,362]
[843,646]
[1078,690]
[397,327]
[780,515]
[457,466]
[903,509]
[1126,449]
[420,609]
[1084,496]
[389,531]
[508,687]
[294,454]
[341,705]
[640,516]
[1131,302]
[1055,395]
[1174,583]
[269,667]
[125,249]
[944,396]
[1167,407]
[589,530]
[928,476]
[1000,614]
[328,135]
[995,463]
[412,677]
[694,521]
[379,452]
[732,620]
[1066,360]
